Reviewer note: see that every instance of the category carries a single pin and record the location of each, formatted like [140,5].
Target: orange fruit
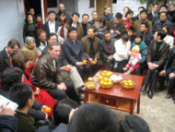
[84,62]
[103,74]
[47,110]
[101,82]
[109,83]
[93,62]
[90,79]
[68,67]
[106,79]
[105,83]
[100,78]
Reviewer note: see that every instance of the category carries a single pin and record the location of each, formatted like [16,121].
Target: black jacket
[59,13]
[147,38]
[8,123]
[30,30]
[169,18]
[158,25]
[170,58]
[106,17]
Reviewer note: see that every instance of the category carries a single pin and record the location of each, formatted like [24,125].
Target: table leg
[86,97]
[131,107]
[138,105]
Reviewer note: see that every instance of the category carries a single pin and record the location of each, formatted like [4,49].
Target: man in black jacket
[153,13]
[62,9]
[94,18]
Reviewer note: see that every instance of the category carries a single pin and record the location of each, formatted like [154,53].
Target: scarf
[62,33]
[39,24]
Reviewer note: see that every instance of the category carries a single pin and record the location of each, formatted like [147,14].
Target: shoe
[168,96]
[143,88]
[150,94]
[81,98]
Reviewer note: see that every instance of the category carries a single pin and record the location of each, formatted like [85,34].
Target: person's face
[117,21]
[129,16]
[163,9]
[14,50]
[164,28]
[52,39]
[32,11]
[52,17]
[61,7]
[38,19]
[75,18]
[163,17]
[130,33]
[55,52]
[95,16]
[32,43]
[155,9]
[42,36]
[143,28]
[137,40]
[85,19]
[73,35]
[107,37]
[143,16]
[125,11]
[90,33]
[62,17]
[100,24]
[171,8]
[156,36]
[66,25]
[108,10]
[30,18]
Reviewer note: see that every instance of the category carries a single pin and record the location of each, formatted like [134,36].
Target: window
[52,3]
[91,4]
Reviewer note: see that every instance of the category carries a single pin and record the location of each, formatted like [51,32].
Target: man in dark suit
[94,18]
[85,24]
[157,55]
[74,53]
[107,50]
[153,13]
[138,16]
[51,26]
[7,53]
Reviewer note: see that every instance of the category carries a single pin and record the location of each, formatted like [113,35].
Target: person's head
[167,29]
[124,38]
[95,15]
[143,15]
[91,32]
[10,77]
[131,31]
[63,16]
[171,7]
[144,27]
[138,38]
[20,60]
[155,8]
[66,24]
[72,33]
[39,18]
[75,17]
[163,16]
[32,11]
[30,41]
[125,10]
[140,9]
[107,36]
[118,18]
[85,18]
[62,110]
[54,50]
[51,15]
[129,14]
[29,17]
[163,8]
[41,34]
[93,118]
[61,7]
[52,38]
[107,9]
[22,95]
[101,22]
[13,46]
[159,35]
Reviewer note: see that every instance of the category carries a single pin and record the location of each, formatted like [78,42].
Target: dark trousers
[95,68]
[171,85]
[84,69]
[60,94]
[109,64]
[119,65]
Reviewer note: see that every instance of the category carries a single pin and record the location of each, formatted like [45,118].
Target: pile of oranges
[105,82]
[106,73]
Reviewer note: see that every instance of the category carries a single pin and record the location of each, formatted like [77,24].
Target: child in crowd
[39,21]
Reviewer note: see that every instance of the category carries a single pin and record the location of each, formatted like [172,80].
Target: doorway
[36,4]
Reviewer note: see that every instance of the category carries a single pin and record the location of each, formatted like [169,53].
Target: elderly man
[62,9]
[46,74]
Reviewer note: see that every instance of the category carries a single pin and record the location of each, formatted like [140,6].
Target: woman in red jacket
[128,22]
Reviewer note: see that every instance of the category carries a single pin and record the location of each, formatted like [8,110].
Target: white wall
[11,21]
[133,4]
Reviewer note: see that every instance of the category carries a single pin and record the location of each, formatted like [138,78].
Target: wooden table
[117,97]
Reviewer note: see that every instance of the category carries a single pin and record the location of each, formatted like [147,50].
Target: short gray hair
[50,46]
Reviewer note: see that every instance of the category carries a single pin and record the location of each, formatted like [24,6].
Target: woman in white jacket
[122,48]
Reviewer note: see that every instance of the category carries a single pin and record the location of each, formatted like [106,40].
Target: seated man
[168,72]
[107,50]
[74,53]
[94,20]
[46,74]
[22,95]
[157,54]
[93,118]
[91,48]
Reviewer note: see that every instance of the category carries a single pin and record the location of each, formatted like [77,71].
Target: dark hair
[85,15]
[75,13]
[125,37]
[164,6]
[10,77]
[164,12]
[118,15]
[167,28]
[94,12]
[13,42]
[91,27]
[52,34]
[72,29]
[143,11]
[63,13]
[106,32]
[139,35]
[19,60]
[145,23]
[129,12]
[51,11]
[132,29]
[102,20]
[141,7]
[93,118]
[161,33]
[20,94]
[62,110]
[50,46]
[29,14]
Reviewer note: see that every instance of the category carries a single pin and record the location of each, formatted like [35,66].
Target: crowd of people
[57,57]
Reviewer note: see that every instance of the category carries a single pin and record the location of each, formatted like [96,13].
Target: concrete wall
[11,22]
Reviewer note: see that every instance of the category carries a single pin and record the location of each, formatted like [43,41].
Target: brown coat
[79,31]
[137,25]
[86,46]
[164,48]
[44,75]
[121,27]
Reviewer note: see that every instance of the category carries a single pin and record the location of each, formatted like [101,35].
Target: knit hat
[28,39]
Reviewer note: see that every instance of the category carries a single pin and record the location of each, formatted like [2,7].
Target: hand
[62,86]
[130,53]
[110,57]
[111,31]
[90,59]
[117,32]
[171,75]
[62,40]
[43,107]
[162,73]
[71,113]
[6,111]
[79,63]
[64,69]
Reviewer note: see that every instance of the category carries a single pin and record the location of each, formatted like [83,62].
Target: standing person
[62,18]
[157,55]
[32,11]
[94,18]
[101,28]
[30,27]
[125,10]
[74,53]
[153,13]
[91,48]
[77,25]
[106,15]
[61,8]
[51,26]
[7,53]
[107,50]
[171,12]
[137,17]
[85,24]
[128,20]
[39,21]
